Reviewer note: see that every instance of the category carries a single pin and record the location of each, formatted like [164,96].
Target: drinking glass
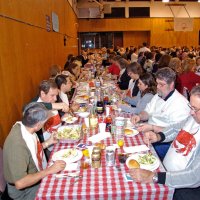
[120,140]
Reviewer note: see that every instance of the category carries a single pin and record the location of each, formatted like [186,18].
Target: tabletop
[106,182]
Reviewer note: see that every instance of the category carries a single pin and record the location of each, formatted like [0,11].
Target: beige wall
[135,38]
[157,27]
[27,52]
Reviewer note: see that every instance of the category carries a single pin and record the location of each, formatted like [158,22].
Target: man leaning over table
[166,108]
[48,91]
[182,160]
[23,157]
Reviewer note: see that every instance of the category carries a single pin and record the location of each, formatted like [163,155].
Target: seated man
[48,91]
[182,160]
[23,157]
[64,85]
[166,108]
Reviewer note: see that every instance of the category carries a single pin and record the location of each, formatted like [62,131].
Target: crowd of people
[155,83]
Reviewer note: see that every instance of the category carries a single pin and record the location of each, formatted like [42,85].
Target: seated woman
[134,71]
[188,79]
[64,85]
[113,69]
[74,70]
[124,79]
[54,71]
[147,87]
[91,61]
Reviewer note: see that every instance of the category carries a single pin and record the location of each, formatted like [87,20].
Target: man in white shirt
[166,108]
[144,48]
[182,160]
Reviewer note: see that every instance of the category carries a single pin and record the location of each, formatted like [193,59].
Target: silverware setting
[80,177]
[67,175]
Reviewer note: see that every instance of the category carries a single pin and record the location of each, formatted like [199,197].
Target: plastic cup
[102,127]
[86,120]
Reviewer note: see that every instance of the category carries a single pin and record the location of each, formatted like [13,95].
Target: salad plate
[146,161]
[69,133]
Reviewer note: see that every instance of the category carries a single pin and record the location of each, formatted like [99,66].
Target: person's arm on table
[187,178]
[50,141]
[149,127]
[32,179]
[146,176]
[74,107]
[142,116]
[60,106]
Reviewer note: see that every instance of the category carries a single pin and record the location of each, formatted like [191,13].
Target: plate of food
[81,109]
[83,97]
[130,132]
[68,155]
[143,161]
[69,134]
[69,119]
[80,100]
[82,93]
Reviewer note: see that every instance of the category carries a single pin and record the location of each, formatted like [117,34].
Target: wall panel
[135,38]
[159,28]
[27,52]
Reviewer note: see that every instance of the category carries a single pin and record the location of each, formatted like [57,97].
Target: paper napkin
[71,167]
[98,137]
[136,149]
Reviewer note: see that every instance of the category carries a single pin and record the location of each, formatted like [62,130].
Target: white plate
[83,114]
[82,97]
[72,133]
[135,132]
[70,159]
[69,120]
[82,93]
[150,167]
[80,100]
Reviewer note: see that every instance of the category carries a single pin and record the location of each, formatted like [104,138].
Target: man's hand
[75,107]
[135,119]
[53,139]
[58,166]
[150,137]
[65,107]
[141,175]
[144,127]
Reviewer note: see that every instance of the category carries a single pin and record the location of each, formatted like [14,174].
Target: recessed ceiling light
[165,1]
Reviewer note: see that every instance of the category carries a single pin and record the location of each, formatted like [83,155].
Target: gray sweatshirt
[137,101]
[190,176]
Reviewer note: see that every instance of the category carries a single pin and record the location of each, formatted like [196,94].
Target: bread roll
[132,164]
[128,131]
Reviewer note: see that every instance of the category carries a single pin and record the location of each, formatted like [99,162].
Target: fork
[76,180]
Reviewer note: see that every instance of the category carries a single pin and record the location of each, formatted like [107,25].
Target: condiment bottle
[96,160]
[93,120]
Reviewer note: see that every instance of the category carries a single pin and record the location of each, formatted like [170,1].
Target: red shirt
[188,80]
[114,69]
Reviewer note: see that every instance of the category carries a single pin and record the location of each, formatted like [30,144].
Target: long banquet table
[102,183]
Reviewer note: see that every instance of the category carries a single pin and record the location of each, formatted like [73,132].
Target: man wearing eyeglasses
[166,108]
[182,160]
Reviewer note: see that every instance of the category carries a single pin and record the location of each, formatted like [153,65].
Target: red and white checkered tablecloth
[102,183]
